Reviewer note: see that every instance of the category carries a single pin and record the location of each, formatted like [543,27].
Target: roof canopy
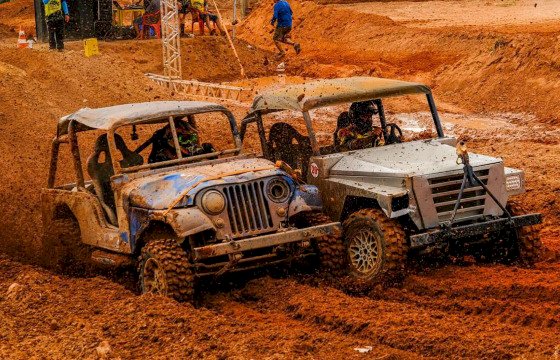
[311,95]
[129,114]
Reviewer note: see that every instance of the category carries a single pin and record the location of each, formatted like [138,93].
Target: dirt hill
[478,68]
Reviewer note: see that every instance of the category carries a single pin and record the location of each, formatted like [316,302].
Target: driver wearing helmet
[355,128]
[163,146]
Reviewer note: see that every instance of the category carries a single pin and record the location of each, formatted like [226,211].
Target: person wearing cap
[355,128]
[282,17]
[163,145]
[56,13]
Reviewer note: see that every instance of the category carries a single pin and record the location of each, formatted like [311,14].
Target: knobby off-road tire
[330,248]
[164,269]
[376,249]
[527,241]
[62,249]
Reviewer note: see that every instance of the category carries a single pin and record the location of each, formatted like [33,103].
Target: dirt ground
[493,67]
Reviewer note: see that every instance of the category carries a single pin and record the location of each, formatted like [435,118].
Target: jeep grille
[445,191]
[248,209]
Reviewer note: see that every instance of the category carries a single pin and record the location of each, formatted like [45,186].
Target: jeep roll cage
[109,119]
[321,93]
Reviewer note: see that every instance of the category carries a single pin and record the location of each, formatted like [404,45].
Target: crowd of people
[281,20]
[56,13]
[198,9]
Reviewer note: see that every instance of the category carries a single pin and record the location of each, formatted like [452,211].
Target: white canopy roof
[129,114]
[320,93]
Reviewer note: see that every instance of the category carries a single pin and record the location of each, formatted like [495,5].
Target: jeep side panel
[94,229]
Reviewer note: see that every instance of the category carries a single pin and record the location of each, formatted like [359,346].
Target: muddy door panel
[94,229]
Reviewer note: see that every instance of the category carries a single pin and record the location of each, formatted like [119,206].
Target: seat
[285,143]
[152,20]
[342,122]
[101,172]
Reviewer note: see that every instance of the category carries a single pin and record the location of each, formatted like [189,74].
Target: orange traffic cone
[22,40]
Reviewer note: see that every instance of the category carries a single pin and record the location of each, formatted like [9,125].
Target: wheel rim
[364,250]
[153,278]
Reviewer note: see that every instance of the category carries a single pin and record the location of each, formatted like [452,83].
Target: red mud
[488,80]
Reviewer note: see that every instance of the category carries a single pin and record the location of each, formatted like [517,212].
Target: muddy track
[450,311]
[62,317]
[425,325]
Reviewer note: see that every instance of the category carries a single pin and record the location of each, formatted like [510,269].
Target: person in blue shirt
[283,19]
[56,13]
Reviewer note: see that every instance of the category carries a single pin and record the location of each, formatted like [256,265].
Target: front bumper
[443,235]
[279,238]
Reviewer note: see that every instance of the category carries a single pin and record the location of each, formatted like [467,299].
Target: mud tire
[330,248]
[165,260]
[62,249]
[520,246]
[390,243]
[527,241]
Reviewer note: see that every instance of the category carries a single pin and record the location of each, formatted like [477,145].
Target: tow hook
[234,245]
[233,260]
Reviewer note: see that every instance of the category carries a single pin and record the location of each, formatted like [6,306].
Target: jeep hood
[405,160]
[158,191]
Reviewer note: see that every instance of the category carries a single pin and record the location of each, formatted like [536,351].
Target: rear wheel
[62,249]
[375,248]
[164,269]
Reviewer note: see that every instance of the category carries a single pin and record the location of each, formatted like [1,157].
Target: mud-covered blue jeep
[204,210]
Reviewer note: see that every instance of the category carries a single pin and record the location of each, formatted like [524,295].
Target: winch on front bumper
[444,234]
[256,251]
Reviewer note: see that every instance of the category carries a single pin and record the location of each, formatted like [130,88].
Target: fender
[382,194]
[183,221]
[305,198]
[94,228]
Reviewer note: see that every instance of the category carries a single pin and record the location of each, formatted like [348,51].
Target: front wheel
[526,239]
[520,245]
[375,248]
[330,248]
[165,269]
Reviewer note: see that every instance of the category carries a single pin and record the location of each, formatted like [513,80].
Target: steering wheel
[394,135]
[287,144]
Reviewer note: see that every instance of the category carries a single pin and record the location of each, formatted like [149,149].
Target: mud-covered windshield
[353,126]
[186,139]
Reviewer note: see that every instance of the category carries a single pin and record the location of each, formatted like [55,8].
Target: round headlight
[213,202]
[278,190]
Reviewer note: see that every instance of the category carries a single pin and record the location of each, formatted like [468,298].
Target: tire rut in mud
[420,325]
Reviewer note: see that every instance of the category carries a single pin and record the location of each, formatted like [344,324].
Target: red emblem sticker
[314,170]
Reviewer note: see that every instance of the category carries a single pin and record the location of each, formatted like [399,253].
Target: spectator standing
[151,10]
[201,8]
[56,13]
[184,9]
[208,17]
[282,17]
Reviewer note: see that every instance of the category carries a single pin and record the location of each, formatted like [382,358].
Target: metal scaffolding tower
[170,38]
[172,72]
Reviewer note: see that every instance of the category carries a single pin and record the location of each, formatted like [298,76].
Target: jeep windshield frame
[323,93]
[112,118]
